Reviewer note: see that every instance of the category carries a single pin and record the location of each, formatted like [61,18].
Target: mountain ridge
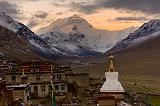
[32,42]
[147,31]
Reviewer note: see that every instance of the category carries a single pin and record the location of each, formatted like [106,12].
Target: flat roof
[18,86]
[76,74]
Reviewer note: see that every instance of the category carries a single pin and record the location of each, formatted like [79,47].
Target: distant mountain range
[74,36]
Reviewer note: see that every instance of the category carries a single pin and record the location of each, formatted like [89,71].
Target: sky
[102,14]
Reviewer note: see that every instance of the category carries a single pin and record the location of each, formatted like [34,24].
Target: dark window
[62,87]
[3,78]
[56,87]
[13,78]
[53,78]
[59,76]
[111,70]
[35,89]
[38,77]
[42,88]
[50,88]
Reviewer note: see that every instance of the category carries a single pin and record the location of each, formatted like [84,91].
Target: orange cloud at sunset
[104,14]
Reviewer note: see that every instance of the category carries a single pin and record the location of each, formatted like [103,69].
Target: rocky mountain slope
[146,32]
[139,53]
[18,42]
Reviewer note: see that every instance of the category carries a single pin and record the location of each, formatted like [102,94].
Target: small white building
[20,91]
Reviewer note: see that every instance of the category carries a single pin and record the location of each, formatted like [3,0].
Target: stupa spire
[111,63]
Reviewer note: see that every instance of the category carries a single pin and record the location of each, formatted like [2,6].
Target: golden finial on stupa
[111,63]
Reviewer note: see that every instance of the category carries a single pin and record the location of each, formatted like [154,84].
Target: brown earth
[15,47]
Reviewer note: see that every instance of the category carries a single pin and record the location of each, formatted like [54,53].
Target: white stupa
[111,85]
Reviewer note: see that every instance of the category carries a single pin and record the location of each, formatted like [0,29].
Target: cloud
[32,23]
[10,9]
[41,14]
[30,0]
[59,13]
[84,7]
[131,19]
[36,18]
[61,0]
[59,4]
[145,6]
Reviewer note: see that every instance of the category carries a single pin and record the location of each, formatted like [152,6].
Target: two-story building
[38,74]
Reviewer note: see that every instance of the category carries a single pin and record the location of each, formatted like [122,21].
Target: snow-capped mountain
[73,43]
[147,31]
[23,40]
[75,34]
